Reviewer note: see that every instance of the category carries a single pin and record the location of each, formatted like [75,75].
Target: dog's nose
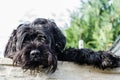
[34,53]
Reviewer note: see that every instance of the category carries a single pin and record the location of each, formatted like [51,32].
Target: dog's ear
[16,39]
[11,45]
[22,32]
[59,38]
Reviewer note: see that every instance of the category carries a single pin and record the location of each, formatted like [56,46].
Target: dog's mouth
[46,62]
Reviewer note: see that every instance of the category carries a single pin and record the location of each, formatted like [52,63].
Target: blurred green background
[97,22]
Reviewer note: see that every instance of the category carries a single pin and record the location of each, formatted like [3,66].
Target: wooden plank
[65,71]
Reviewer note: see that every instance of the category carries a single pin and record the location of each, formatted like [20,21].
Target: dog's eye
[45,55]
[41,38]
[27,52]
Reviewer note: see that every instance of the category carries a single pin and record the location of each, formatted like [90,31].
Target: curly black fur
[42,43]
[100,59]
[34,44]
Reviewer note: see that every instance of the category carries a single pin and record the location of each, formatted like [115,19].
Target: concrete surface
[65,71]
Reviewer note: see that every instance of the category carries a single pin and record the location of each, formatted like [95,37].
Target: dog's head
[35,54]
[34,46]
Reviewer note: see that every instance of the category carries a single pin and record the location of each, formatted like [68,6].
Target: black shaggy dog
[34,44]
[41,43]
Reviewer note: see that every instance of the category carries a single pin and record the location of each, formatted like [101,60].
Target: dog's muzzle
[37,58]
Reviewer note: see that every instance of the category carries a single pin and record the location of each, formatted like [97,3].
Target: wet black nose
[34,53]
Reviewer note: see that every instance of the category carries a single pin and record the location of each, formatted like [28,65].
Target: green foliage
[96,22]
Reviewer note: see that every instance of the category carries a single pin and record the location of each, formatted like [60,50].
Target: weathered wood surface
[65,71]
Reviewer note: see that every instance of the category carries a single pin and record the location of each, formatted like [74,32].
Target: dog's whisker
[49,69]
[54,64]
[27,68]
[49,58]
